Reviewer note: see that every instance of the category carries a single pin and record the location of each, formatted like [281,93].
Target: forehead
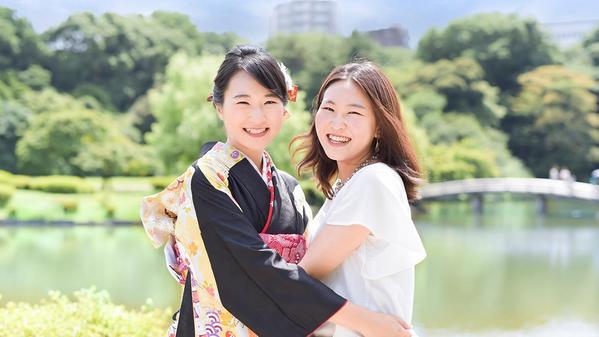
[242,83]
[345,92]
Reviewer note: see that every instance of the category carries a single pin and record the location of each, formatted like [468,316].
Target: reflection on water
[508,272]
[121,260]
[501,274]
[563,328]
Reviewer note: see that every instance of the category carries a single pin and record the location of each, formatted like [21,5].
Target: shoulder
[378,175]
[377,183]
[207,173]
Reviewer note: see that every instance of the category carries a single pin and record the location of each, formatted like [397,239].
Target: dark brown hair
[394,146]
[258,63]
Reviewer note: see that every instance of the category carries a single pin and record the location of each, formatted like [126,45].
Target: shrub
[6,192]
[68,205]
[59,184]
[91,313]
[160,183]
[108,205]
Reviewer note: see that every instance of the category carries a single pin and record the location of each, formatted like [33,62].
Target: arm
[331,247]
[370,323]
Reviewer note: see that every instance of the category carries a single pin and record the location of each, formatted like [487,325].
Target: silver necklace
[340,183]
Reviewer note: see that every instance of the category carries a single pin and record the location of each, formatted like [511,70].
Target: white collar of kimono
[263,172]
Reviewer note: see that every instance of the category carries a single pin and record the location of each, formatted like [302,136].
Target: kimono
[209,220]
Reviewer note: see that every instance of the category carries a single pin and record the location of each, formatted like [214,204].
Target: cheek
[319,123]
[363,130]
[276,118]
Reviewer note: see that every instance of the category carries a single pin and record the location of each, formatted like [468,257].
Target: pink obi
[291,247]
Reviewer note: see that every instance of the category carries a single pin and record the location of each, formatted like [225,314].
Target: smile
[338,139]
[256,132]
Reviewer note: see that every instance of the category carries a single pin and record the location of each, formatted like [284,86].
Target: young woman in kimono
[215,218]
[364,244]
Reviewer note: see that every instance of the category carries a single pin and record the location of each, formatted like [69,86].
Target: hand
[388,326]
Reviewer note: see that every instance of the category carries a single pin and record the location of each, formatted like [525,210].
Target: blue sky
[250,19]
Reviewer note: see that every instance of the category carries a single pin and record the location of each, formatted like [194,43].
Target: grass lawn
[120,204]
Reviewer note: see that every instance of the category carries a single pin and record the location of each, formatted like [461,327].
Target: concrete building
[568,33]
[301,16]
[392,36]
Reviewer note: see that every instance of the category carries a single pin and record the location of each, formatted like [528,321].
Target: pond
[507,272]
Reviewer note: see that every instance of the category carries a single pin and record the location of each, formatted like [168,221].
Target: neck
[347,167]
[255,156]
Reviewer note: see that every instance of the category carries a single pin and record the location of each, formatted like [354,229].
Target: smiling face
[345,123]
[251,113]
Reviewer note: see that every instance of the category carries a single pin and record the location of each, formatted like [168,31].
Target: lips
[336,139]
[256,131]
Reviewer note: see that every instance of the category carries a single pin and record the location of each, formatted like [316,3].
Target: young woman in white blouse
[363,242]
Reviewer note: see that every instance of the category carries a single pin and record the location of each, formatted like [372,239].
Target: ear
[286,115]
[219,111]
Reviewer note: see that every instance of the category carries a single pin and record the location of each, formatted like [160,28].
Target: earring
[376,146]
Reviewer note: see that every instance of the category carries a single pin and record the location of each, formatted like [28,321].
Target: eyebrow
[248,96]
[354,105]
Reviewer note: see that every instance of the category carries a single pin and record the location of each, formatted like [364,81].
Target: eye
[327,108]
[354,113]
[270,102]
[243,102]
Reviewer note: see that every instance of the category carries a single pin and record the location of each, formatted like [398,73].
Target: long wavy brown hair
[394,146]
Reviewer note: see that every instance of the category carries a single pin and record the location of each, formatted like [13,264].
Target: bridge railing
[536,186]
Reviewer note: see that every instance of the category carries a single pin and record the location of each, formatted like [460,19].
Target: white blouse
[379,274]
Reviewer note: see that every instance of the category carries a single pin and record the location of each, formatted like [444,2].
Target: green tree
[20,46]
[219,44]
[461,160]
[447,130]
[114,56]
[459,85]
[553,121]
[14,120]
[50,100]
[591,45]
[79,142]
[504,45]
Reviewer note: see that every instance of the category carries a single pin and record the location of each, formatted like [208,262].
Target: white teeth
[255,131]
[339,139]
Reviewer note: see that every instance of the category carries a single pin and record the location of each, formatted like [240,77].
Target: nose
[257,115]
[337,122]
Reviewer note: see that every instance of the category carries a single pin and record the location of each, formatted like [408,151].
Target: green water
[507,272]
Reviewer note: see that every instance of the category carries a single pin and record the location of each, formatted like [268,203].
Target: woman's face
[251,113]
[345,123]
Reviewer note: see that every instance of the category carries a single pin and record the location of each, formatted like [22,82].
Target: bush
[160,183]
[91,313]
[108,205]
[59,184]
[6,192]
[68,205]
[6,178]
[17,181]
[21,182]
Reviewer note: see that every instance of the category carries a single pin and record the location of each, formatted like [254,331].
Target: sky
[250,18]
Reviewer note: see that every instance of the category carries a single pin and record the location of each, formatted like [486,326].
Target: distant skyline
[250,19]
